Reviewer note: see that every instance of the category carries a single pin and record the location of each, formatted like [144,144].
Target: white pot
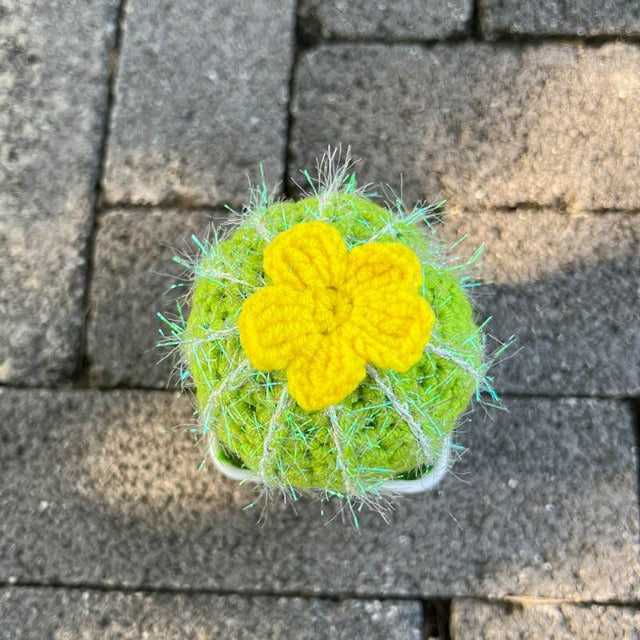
[419,485]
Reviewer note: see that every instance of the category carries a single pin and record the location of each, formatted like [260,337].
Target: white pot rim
[425,483]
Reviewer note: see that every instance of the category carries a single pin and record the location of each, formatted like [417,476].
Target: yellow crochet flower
[331,311]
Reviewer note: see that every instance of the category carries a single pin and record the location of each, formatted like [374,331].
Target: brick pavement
[126,126]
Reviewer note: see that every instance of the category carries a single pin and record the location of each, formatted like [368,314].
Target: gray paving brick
[562,621]
[567,286]
[201,100]
[53,79]
[482,125]
[411,19]
[35,613]
[566,17]
[132,278]
[97,487]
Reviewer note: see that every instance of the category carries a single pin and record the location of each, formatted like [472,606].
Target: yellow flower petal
[389,327]
[327,375]
[310,254]
[276,324]
[380,264]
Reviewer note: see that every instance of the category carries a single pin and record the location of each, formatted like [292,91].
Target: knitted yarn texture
[330,341]
[331,311]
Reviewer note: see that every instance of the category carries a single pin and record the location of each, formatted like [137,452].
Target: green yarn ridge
[376,443]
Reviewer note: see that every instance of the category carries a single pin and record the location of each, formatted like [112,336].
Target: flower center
[333,309]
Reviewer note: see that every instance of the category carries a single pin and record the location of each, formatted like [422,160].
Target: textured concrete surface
[53,89]
[562,621]
[201,100]
[567,286]
[566,17]
[133,275]
[104,487]
[483,126]
[411,19]
[63,614]
[107,528]
[551,276]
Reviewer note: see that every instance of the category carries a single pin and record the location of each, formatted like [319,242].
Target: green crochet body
[237,403]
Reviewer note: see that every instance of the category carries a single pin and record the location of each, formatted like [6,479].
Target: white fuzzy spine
[403,411]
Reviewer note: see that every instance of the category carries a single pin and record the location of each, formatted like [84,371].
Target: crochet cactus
[330,341]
